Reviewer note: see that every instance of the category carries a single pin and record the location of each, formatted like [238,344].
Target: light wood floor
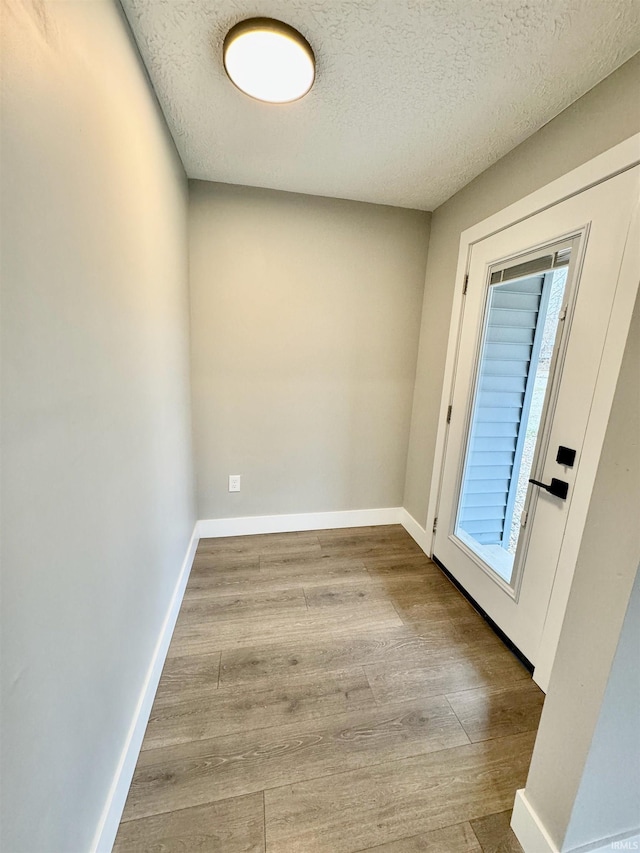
[330,692]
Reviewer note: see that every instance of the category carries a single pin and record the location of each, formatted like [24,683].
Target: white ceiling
[413,98]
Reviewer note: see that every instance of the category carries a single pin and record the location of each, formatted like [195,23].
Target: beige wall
[305,315]
[606,115]
[96,471]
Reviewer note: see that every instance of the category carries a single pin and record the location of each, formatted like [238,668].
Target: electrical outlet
[234,482]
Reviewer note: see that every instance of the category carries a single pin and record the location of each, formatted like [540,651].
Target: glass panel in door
[522,313]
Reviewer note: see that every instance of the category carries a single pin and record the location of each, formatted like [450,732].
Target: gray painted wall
[97,497]
[305,315]
[603,117]
[608,799]
[603,579]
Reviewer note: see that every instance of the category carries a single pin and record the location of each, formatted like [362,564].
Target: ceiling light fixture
[269,60]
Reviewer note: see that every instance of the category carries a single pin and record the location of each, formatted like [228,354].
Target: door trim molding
[416,531]
[618,159]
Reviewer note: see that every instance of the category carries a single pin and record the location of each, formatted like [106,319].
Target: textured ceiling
[413,98]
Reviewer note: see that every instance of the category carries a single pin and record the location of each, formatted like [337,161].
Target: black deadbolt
[566,456]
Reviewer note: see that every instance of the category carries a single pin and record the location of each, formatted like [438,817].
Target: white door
[538,303]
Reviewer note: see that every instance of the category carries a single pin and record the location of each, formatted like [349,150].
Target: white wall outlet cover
[234,482]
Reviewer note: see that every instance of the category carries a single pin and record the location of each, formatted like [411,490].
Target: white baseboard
[534,838]
[110,819]
[249,525]
[418,533]
[528,827]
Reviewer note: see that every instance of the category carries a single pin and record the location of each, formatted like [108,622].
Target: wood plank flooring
[330,692]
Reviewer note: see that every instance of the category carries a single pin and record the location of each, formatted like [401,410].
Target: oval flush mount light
[269,60]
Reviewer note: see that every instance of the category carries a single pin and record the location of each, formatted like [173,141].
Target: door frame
[616,160]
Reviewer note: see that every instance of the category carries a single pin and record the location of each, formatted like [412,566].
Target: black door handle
[557,488]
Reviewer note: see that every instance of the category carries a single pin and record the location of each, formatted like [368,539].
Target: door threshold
[494,627]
